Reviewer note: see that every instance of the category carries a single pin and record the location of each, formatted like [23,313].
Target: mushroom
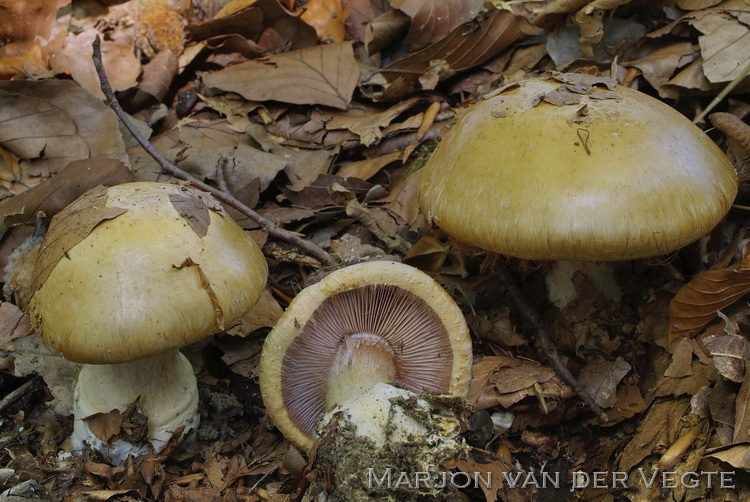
[126,276]
[363,324]
[574,167]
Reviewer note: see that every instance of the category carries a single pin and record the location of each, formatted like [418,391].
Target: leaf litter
[325,111]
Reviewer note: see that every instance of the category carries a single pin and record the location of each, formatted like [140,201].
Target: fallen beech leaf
[696,303]
[432,20]
[72,56]
[322,75]
[56,192]
[742,412]
[328,17]
[384,30]
[427,254]
[724,41]
[52,122]
[729,354]
[465,47]
[600,379]
[659,65]
[736,455]
[264,314]
[105,426]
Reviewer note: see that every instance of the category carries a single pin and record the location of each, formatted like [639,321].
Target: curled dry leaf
[158,74]
[431,20]
[697,302]
[322,75]
[361,13]
[52,122]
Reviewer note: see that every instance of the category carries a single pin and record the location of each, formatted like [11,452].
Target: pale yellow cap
[565,168]
[136,269]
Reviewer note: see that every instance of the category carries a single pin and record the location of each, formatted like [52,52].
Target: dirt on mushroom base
[361,470]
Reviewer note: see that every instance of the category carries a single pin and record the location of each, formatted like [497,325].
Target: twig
[17,394]
[269,226]
[531,315]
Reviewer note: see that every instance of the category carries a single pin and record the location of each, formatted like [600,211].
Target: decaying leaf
[13,323]
[322,75]
[729,353]
[49,123]
[264,314]
[724,43]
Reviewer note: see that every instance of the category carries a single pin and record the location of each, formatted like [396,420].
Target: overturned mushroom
[363,324]
[126,276]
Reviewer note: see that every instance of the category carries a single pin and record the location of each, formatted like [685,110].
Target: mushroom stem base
[167,393]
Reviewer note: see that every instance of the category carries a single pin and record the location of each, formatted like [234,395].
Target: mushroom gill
[357,338]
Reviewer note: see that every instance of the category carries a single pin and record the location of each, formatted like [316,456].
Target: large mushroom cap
[367,323]
[140,268]
[565,168]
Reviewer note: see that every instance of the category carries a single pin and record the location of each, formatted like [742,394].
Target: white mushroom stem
[168,393]
[562,291]
[362,360]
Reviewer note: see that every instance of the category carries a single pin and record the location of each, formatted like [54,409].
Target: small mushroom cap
[406,310]
[124,273]
[572,168]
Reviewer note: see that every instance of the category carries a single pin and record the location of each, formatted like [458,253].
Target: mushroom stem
[167,393]
[560,285]
[532,316]
[362,360]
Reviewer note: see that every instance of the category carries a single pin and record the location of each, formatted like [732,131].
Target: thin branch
[532,316]
[269,226]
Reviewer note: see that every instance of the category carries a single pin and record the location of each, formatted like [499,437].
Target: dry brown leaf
[464,48]
[659,65]
[72,56]
[600,379]
[736,455]
[105,426]
[13,323]
[367,168]
[193,210]
[384,30]
[697,4]
[427,254]
[328,17]
[264,314]
[432,20]
[724,44]
[361,13]
[323,75]
[158,74]
[696,303]
[54,193]
[52,122]
[232,7]
[742,412]
[252,21]
[479,461]
[23,21]
[30,61]
[368,124]
[729,353]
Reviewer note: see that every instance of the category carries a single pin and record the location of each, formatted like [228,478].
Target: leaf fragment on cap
[194,209]
[206,284]
[90,210]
